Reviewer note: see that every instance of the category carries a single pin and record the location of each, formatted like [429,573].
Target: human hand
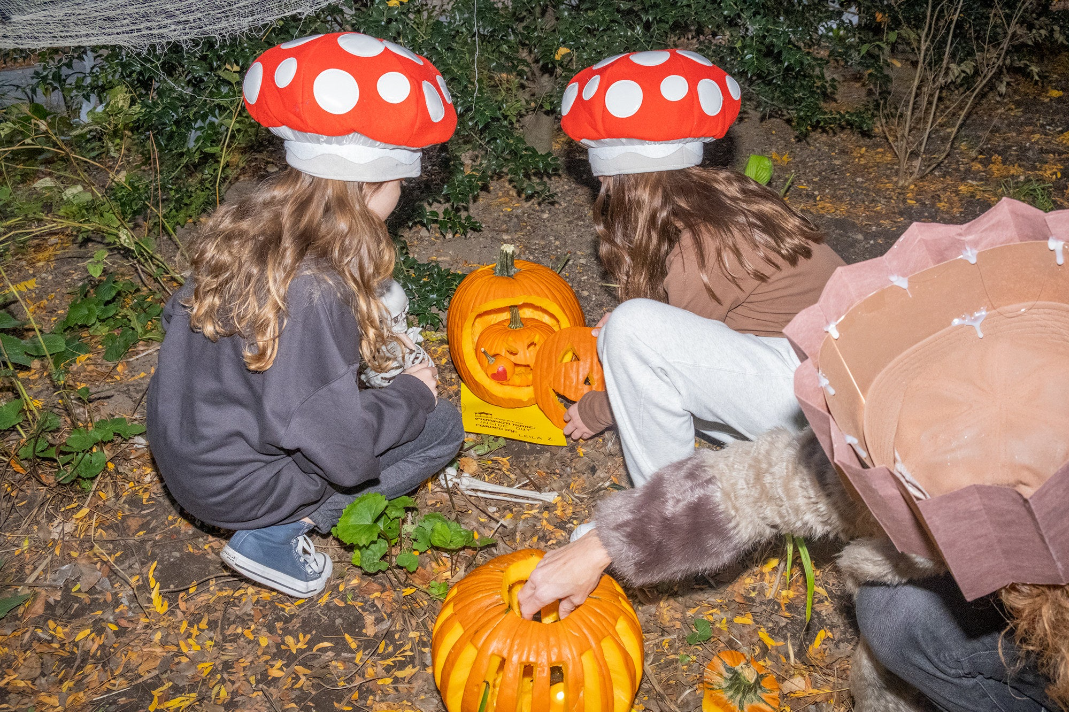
[596,329]
[573,424]
[426,372]
[568,575]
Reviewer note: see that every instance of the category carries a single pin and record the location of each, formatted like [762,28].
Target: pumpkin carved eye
[487,657]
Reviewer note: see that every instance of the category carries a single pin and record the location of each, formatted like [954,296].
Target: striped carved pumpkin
[487,657]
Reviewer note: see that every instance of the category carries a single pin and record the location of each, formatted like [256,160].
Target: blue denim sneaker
[281,557]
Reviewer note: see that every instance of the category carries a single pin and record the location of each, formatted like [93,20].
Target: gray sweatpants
[405,467]
[670,373]
[952,651]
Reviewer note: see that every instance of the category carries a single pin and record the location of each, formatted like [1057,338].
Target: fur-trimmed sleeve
[701,513]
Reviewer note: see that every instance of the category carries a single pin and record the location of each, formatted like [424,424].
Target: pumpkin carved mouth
[486,656]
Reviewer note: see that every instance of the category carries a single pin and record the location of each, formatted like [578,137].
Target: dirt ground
[95,635]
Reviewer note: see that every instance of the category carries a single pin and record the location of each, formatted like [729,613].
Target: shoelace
[307,551]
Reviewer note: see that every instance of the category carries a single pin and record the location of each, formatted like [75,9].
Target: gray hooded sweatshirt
[243,450]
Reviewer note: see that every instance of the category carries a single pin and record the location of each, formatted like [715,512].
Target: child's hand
[596,329]
[426,372]
[574,426]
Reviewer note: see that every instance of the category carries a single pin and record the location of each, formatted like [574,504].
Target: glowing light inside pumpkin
[556,698]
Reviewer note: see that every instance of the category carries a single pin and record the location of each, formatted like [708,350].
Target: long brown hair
[1040,621]
[641,217]
[247,253]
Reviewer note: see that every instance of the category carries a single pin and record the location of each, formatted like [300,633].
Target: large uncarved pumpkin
[734,683]
[486,655]
[568,366]
[485,299]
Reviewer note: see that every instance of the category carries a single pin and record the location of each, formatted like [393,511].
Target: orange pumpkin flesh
[733,684]
[590,661]
[485,298]
[567,365]
[517,343]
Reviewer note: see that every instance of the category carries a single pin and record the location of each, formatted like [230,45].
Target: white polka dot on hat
[350,106]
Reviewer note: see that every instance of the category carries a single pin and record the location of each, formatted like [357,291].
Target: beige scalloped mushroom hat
[350,106]
[937,380]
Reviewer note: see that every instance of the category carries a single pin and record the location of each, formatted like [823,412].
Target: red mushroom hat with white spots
[649,111]
[350,106]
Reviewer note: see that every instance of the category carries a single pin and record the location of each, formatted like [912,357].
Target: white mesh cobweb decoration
[37,24]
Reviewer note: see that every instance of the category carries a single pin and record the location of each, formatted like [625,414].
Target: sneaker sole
[272,578]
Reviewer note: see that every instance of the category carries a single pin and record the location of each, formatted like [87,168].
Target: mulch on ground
[131,608]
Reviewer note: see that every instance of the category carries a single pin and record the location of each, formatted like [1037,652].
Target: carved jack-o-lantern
[734,684]
[517,343]
[568,366]
[484,299]
[486,656]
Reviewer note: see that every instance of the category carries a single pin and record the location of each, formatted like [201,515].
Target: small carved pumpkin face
[511,345]
[567,366]
[734,684]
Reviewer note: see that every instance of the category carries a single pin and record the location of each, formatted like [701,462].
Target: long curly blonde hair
[1039,617]
[247,253]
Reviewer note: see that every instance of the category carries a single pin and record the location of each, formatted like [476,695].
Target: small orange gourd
[734,684]
[568,366]
[487,656]
[484,298]
[517,343]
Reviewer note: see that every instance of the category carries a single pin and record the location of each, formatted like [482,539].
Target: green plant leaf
[789,558]
[12,602]
[395,508]
[810,578]
[54,343]
[759,168]
[11,414]
[15,350]
[81,440]
[48,422]
[703,631]
[9,322]
[408,561]
[450,536]
[88,465]
[357,525]
[371,557]
[438,589]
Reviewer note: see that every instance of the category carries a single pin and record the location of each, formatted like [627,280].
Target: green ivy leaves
[371,524]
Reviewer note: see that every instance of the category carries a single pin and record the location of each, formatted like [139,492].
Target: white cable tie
[1058,247]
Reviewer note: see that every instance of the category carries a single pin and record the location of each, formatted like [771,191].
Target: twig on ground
[218,578]
[132,685]
[657,686]
[137,596]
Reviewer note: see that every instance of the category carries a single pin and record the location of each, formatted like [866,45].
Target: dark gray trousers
[949,649]
[405,467]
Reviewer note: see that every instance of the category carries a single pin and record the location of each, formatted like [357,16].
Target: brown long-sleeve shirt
[753,306]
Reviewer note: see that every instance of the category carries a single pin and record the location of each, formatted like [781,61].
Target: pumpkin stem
[489,358]
[514,318]
[506,262]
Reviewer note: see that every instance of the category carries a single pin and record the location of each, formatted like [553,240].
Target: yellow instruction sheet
[528,423]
